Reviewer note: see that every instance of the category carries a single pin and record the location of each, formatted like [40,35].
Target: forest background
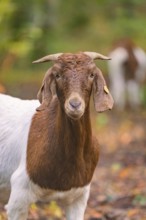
[34,28]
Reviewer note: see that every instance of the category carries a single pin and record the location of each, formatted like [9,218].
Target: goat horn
[47,58]
[95,56]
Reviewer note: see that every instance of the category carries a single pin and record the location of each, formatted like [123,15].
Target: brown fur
[131,64]
[61,152]
[61,161]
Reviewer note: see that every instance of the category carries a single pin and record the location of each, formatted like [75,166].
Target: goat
[126,72]
[47,150]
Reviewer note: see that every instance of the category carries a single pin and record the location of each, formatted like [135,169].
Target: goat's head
[72,78]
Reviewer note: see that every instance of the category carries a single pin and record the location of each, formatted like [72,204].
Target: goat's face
[72,79]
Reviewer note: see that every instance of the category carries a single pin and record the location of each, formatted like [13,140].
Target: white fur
[24,192]
[119,87]
[15,119]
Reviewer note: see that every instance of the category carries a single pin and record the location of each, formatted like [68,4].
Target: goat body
[126,72]
[15,119]
[16,116]
[51,153]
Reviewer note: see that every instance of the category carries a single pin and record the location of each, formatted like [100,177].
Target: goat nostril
[75,104]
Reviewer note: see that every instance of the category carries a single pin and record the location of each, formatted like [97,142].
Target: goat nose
[74,103]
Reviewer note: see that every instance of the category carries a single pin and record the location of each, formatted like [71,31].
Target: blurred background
[32,29]
[29,30]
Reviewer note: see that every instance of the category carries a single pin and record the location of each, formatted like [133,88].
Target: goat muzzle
[74,106]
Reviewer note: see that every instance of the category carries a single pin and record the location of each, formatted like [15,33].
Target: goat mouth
[75,115]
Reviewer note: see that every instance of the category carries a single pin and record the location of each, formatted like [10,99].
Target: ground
[119,185]
[118,190]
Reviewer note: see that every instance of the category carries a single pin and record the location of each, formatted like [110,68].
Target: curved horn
[47,58]
[95,56]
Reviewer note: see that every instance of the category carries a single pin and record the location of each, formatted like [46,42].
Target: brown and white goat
[127,70]
[59,153]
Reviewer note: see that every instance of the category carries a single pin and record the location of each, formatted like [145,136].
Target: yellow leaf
[34,207]
[133,212]
[124,173]
[55,209]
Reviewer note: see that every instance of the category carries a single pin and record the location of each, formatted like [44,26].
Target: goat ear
[102,98]
[40,93]
[46,91]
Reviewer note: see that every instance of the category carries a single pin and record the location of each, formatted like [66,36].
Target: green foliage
[38,27]
[101,120]
[140,200]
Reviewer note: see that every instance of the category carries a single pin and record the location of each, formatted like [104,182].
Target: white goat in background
[127,70]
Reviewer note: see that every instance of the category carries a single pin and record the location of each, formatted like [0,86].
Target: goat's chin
[74,115]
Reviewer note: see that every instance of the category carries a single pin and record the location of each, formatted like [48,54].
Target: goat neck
[61,153]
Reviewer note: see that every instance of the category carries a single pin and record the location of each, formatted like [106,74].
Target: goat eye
[57,76]
[91,75]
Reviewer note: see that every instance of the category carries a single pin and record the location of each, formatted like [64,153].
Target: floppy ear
[46,91]
[102,98]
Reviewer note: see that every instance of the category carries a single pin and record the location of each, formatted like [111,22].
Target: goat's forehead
[74,59]
[74,62]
